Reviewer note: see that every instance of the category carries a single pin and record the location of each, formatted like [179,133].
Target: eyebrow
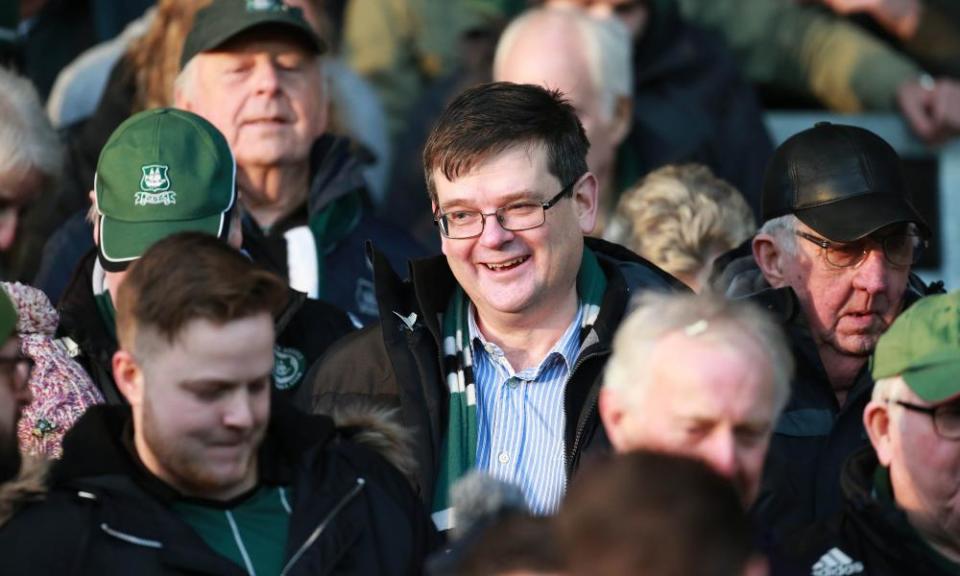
[215,382]
[511,197]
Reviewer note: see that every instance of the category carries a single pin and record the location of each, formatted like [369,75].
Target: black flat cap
[225,19]
[843,181]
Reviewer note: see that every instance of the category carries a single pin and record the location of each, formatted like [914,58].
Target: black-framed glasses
[946,417]
[516,216]
[900,249]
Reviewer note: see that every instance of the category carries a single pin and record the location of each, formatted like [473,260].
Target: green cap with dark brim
[224,19]
[8,316]
[161,172]
[923,346]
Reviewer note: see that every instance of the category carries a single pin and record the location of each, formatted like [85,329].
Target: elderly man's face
[924,467]
[848,309]
[264,92]
[712,399]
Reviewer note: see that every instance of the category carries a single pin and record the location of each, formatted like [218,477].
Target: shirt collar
[566,348]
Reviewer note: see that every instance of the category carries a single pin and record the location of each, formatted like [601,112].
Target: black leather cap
[224,19]
[843,181]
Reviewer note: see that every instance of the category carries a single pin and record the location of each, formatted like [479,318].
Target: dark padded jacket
[352,513]
[305,329]
[871,534]
[815,434]
[399,362]
[336,172]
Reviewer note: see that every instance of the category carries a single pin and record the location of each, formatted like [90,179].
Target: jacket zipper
[580,425]
[130,538]
[323,525]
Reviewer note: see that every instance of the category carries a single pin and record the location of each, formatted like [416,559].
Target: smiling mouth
[507,265]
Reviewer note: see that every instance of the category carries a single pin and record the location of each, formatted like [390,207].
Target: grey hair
[606,44]
[28,141]
[185,82]
[709,316]
[888,389]
[783,229]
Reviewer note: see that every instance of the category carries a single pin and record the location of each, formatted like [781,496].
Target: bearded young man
[206,471]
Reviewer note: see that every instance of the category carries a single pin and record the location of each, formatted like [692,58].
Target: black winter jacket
[104,514]
[399,362]
[814,435]
[305,329]
[871,534]
[336,172]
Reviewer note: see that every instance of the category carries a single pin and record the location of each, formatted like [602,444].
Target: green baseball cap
[161,172]
[8,316]
[223,19]
[923,346]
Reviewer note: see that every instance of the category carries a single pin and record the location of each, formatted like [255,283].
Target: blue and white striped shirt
[520,416]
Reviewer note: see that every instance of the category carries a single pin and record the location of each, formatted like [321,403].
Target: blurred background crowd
[724,285]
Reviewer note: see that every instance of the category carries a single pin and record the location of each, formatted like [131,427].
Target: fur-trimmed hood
[378,429]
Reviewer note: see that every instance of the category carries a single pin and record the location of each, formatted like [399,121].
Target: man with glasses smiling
[493,353]
[833,258]
[903,494]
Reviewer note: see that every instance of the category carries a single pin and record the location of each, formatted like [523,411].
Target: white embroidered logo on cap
[265,6]
[154,187]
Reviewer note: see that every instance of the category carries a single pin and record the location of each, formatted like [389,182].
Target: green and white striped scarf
[459,450]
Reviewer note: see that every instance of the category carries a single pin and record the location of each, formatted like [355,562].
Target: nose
[8,228]
[238,412]
[267,77]
[494,235]
[872,275]
[720,453]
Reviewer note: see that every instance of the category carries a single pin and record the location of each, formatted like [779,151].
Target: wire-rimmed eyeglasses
[516,216]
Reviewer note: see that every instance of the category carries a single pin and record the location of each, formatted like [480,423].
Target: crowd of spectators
[473,287]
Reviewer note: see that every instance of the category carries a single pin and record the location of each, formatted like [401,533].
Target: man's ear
[93,217]
[769,258]
[128,376]
[612,415]
[585,200]
[622,119]
[877,421]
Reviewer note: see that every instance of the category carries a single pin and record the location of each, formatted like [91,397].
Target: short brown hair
[488,119]
[654,514]
[518,542]
[191,276]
